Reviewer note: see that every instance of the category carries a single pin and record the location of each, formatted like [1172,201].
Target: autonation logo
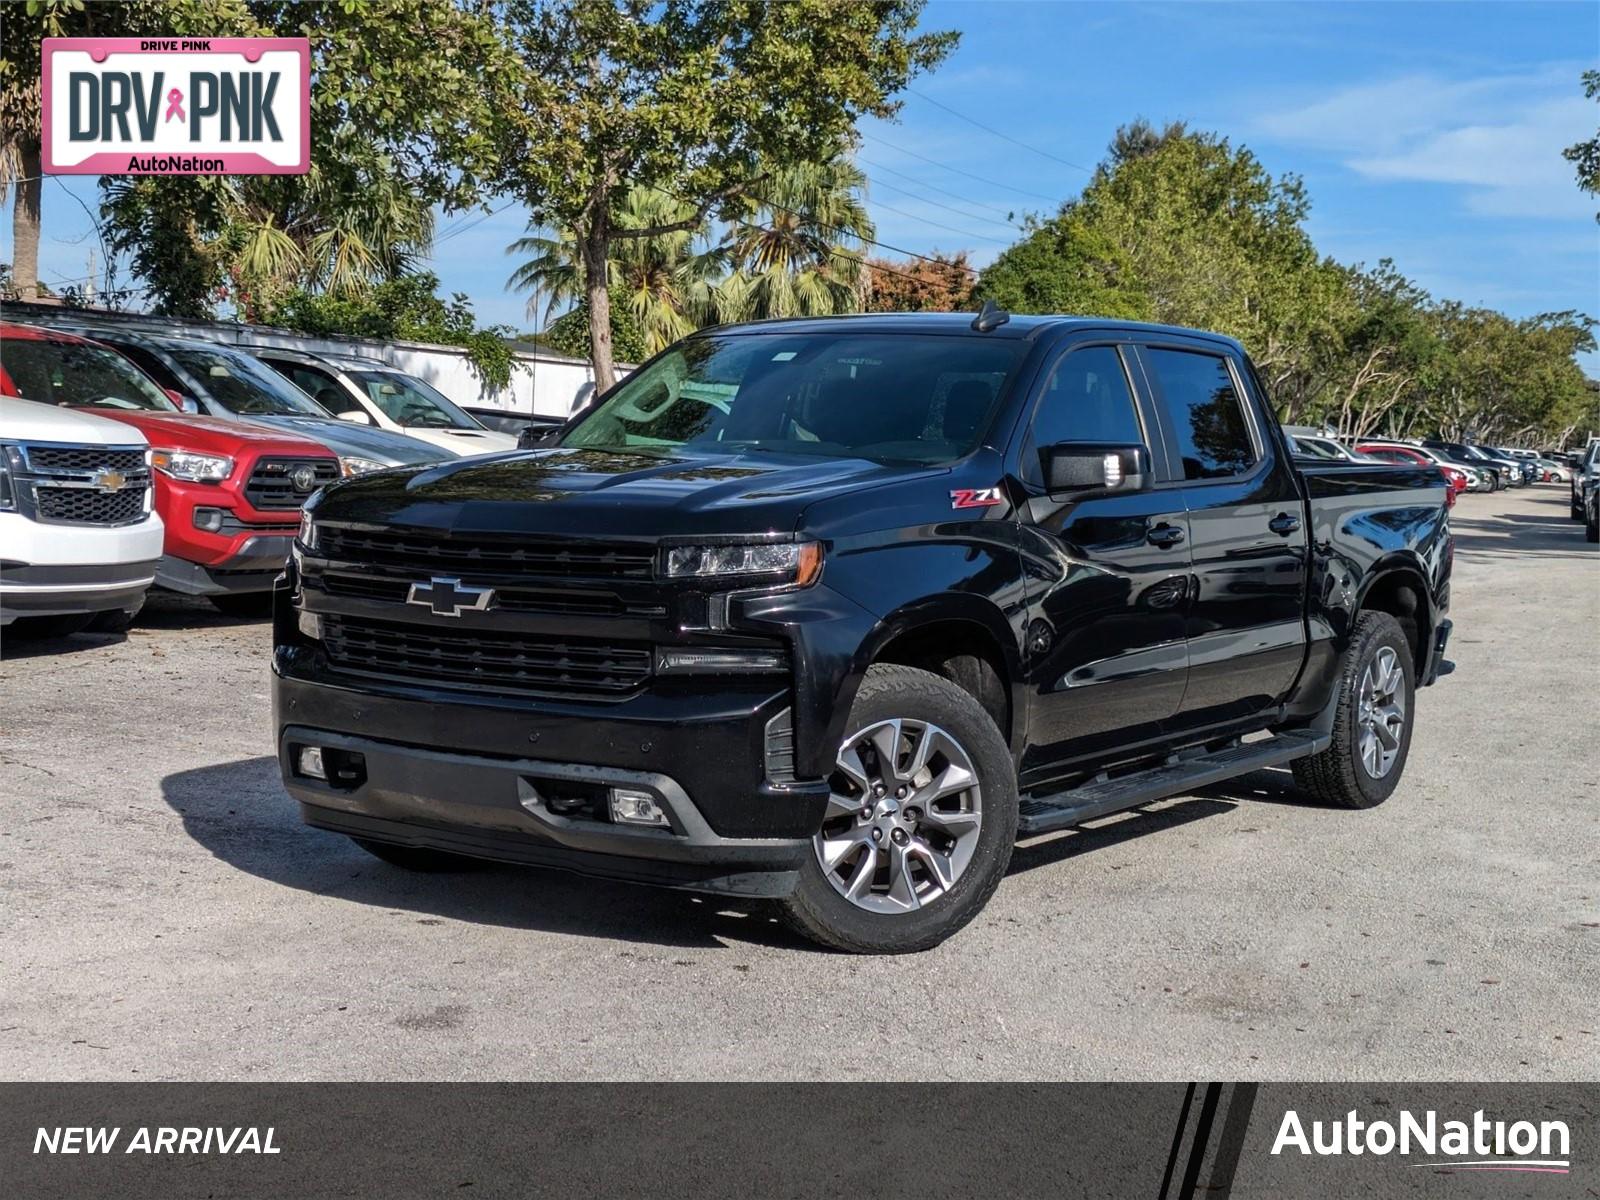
[1476,1145]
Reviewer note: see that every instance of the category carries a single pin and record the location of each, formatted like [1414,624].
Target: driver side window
[1087,399]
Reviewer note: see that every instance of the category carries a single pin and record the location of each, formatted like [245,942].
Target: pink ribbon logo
[175,105]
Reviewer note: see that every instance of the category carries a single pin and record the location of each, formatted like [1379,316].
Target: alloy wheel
[903,818]
[1382,712]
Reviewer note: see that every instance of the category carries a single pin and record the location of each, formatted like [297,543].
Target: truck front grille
[88,506]
[85,459]
[513,556]
[280,483]
[476,659]
[61,484]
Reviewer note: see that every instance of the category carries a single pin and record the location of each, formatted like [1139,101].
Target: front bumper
[506,809]
[45,590]
[251,567]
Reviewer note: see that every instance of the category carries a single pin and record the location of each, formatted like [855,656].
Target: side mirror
[186,404]
[356,416]
[1094,467]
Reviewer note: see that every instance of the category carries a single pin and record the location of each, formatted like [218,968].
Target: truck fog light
[209,519]
[631,807]
[311,763]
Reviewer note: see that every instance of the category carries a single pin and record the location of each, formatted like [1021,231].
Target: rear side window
[1087,400]
[1205,412]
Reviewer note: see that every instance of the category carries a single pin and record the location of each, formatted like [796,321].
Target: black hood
[602,493]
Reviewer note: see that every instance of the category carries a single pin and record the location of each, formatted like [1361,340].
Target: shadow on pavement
[15,647]
[241,814]
[1548,532]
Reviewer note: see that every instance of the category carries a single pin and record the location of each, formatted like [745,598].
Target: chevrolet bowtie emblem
[447,597]
[109,480]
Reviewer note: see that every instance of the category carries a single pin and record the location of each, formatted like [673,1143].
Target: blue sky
[1428,133]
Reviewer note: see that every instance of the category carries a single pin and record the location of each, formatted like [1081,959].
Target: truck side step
[1100,797]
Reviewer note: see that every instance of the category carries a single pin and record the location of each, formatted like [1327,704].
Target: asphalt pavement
[168,917]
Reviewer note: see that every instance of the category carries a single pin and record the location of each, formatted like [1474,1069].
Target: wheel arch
[960,637]
[1398,587]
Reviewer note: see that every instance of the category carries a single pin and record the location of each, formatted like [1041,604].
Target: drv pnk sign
[177,106]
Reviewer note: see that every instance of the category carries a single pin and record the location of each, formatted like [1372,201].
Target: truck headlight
[307,537]
[799,562]
[192,467]
[350,464]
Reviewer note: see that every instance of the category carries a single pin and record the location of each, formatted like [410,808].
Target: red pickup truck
[229,491]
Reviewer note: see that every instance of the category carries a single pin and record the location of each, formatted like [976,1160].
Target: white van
[79,536]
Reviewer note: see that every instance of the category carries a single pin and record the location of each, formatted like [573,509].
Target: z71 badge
[975,497]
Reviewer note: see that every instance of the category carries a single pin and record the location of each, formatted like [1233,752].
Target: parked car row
[183,464]
[1469,466]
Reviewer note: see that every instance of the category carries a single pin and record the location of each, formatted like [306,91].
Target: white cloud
[1498,137]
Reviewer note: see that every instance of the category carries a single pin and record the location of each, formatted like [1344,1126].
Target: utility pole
[88,285]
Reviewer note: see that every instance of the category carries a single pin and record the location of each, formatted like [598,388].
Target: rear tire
[416,858]
[243,604]
[1372,724]
[1591,526]
[944,810]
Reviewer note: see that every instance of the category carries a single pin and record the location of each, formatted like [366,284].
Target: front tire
[1372,724]
[920,827]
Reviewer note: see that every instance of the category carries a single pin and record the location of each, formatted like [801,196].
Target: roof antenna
[992,316]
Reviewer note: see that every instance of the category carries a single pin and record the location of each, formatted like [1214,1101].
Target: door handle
[1284,524]
[1164,536]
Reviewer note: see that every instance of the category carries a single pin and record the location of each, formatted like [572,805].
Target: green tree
[688,97]
[569,333]
[664,281]
[1586,155]
[798,247]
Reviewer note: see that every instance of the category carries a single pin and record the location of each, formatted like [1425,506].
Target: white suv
[79,539]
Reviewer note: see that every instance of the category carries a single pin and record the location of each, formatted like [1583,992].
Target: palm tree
[664,281]
[800,251]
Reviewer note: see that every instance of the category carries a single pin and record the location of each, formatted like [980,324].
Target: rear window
[1203,406]
[885,397]
[79,375]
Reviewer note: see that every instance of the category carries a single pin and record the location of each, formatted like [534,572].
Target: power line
[932,187]
[958,171]
[977,237]
[960,212]
[812,219]
[1003,136]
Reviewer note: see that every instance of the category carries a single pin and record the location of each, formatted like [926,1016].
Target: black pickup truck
[833,611]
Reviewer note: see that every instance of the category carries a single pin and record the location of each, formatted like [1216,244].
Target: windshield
[243,388]
[71,373]
[407,400]
[884,397]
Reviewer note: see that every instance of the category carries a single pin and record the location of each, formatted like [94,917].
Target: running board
[1100,797]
